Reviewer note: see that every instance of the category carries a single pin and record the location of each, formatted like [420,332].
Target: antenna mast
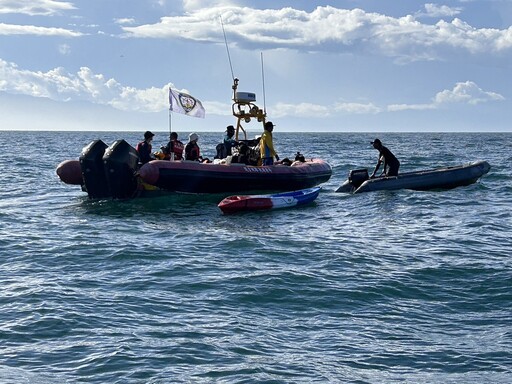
[263,81]
[227,48]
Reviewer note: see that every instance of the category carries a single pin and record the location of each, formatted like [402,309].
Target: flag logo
[187,102]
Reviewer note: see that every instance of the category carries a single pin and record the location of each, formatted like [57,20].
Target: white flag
[186,104]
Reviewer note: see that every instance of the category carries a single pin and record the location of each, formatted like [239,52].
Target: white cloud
[462,93]
[300,110]
[357,108]
[330,29]
[59,85]
[125,21]
[413,107]
[467,93]
[322,111]
[434,10]
[192,5]
[11,29]
[35,7]
[64,49]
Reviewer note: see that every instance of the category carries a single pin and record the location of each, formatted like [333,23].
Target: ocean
[380,287]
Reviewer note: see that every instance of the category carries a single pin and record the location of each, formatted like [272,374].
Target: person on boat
[229,141]
[174,148]
[144,148]
[391,163]
[267,150]
[192,151]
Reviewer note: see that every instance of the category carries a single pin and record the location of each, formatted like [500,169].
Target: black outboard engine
[120,164]
[357,177]
[93,171]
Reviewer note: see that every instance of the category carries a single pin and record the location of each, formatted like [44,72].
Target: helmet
[193,137]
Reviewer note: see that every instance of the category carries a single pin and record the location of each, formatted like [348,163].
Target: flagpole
[170,122]
[170,113]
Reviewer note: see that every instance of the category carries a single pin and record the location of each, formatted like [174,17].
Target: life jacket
[177,148]
[144,150]
[192,151]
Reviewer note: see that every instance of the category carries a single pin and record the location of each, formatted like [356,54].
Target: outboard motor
[357,177]
[93,171]
[120,164]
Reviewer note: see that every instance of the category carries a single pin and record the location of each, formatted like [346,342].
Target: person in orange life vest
[174,149]
[192,151]
[267,151]
[144,148]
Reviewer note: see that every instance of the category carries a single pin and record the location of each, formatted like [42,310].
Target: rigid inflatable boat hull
[441,178]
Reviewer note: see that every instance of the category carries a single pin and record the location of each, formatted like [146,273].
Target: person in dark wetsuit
[144,148]
[391,163]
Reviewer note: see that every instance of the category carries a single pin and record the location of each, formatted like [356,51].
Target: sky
[319,66]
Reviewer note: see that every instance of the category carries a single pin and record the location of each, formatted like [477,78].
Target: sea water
[400,286]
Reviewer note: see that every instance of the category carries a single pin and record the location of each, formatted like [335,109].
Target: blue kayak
[239,203]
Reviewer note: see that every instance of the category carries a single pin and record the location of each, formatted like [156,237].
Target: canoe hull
[441,178]
[240,203]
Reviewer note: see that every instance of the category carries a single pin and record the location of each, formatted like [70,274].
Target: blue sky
[373,66]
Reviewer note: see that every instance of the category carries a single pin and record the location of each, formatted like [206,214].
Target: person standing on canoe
[267,151]
[391,163]
[144,148]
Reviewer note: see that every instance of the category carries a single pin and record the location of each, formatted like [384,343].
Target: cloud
[64,49]
[193,5]
[413,107]
[466,93]
[322,111]
[10,29]
[436,11]
[462,93]
[35,7]
[85,85]
[357,108]
[330,29]
[125,21]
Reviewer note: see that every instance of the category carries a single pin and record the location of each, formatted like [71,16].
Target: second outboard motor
[93,171]
[357,177]
[120,161]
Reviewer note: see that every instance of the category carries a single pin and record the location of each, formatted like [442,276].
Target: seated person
[144,148]
[243,154]
[229,141]
[192,151]
[174,148]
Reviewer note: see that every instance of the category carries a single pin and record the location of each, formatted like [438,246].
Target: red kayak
[239,203]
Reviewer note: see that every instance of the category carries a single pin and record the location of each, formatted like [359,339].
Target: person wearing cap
[229,141]
[267,151]
[144,148]
[192,151]
[391,163]
[174,148]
